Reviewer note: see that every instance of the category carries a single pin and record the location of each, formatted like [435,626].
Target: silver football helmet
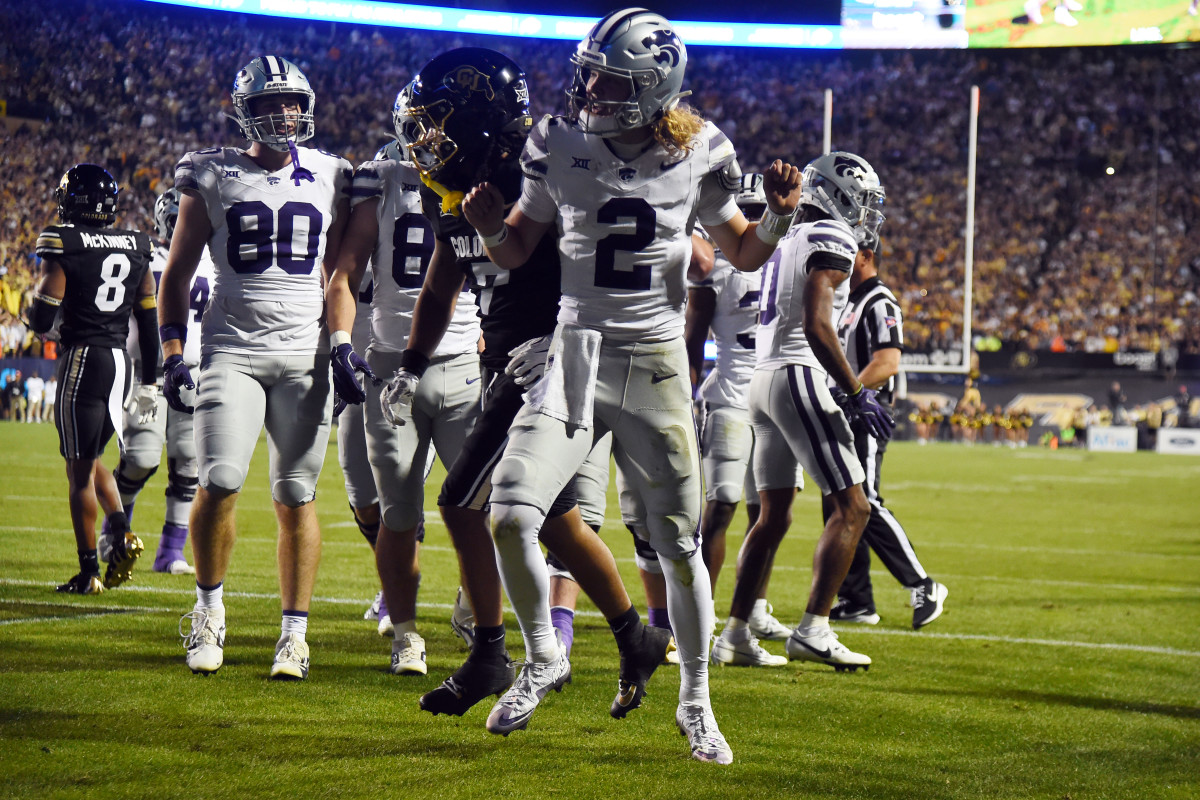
[846,187]
[640,48]
[166,213]
[272,75]
[751,197]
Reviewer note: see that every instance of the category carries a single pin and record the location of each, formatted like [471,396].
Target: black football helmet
[87,195]
[467,108]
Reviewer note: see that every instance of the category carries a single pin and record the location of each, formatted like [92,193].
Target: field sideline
[1067,663]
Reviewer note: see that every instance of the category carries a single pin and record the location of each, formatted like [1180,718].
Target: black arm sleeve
[41,313]
[147,328]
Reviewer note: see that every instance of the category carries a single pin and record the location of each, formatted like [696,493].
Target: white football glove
[142,404]
[528,361]
[398,395]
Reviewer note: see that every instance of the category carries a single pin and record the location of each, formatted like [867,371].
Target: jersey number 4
[260,238]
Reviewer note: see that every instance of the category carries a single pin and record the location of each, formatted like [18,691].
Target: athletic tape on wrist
[496,238]
[772,227]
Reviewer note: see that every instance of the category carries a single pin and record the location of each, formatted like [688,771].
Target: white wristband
[772,227]
[338,338]
[496,238]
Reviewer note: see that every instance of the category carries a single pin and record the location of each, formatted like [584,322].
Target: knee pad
[182,480]
[223,479]
[131,477]
[292,494]
[730,493]
[644,554]
[403,518]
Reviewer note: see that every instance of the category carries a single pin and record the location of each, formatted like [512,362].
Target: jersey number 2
[618,210]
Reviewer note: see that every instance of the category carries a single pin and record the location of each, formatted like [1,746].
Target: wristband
[172,330]
[337,338]
[414,362]
[496,238]
[772,227]
[859,390]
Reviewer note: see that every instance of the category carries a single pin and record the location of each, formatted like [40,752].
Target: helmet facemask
[271,76]
[845,186]
[166,214]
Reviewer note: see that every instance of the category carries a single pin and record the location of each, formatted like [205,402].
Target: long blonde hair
[676,129]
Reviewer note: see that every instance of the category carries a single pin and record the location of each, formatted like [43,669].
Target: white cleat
[462,620]
[1062,15]
[372,611]
[744,654]
[1033,10]
[513,711]
[178,567]
[205,639]
[764,625]
[408,655]
[291,659]
[823,647]
[385,628]
[699,725]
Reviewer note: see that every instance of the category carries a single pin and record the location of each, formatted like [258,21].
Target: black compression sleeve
[147,328]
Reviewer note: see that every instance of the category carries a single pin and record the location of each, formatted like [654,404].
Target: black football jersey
[514,305]
[104,268]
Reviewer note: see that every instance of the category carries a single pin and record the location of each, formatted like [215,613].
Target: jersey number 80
[260,238]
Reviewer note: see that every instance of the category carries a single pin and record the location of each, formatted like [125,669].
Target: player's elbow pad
[42,312]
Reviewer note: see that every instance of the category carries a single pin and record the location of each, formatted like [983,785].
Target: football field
[1004,23]
[1066,665]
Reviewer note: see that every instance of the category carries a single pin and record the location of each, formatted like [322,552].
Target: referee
[871,336]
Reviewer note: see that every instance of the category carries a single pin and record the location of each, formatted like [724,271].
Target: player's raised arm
[748,245]
[508,241]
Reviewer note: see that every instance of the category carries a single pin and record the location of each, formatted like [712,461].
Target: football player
[465,119]
[95,275]
[387,227]
[272,217]
[623,176]
[141,451]
[726,301]
[871,330]
[797,420]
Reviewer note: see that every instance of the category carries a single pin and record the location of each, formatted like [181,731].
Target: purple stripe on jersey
[809,428]
[831,437]
[831,239]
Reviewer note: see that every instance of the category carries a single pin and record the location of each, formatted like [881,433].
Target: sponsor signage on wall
[1181,441]
[1113,439]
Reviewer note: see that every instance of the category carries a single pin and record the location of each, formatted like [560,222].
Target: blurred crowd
[1066,255]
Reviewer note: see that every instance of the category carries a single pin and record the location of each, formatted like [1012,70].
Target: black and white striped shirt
[871,321]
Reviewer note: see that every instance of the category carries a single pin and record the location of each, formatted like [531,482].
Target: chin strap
[451,200]
[299,173]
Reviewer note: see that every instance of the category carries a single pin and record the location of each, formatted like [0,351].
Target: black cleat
[637,665]
[82,584]
[475,679]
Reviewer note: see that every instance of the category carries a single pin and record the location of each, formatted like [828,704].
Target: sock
[736,630]
[210,597]
[659,618]
[294,622]
[408,626]
[172,540]
[563,620]
[689,598]
[627,629]
[811,624]
[489,641]
[525,576]
[89,562]
[760,608]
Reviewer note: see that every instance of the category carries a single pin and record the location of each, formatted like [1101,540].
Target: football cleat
[744,654]
[844,611]
[927,602]
[291,659]
[205,639]
[824,648]
[699,725]
[372,611]
[462,620]
[125,552]
[513,711]
[1033,10]
[408,655]
[173,566]
[82,584]
[478,677]
[764,626]
[1062,15]
[637,665]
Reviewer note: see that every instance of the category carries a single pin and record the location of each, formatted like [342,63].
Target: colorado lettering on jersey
[108,241]
[467,246]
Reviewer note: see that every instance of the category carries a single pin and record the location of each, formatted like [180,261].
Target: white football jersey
[403,250]
[780,339]
[625,226]
[198,294]
[734,324]
[268,240]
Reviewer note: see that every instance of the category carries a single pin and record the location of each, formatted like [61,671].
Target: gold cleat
[120,569]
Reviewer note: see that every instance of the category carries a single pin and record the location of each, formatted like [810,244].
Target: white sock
[811,624]
[409,626]
[525,577]
[211,599]
[736,630]
[689,602]
[293,623]
[760,609]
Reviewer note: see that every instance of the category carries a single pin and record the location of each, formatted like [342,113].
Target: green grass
[990,23]
[1067,663]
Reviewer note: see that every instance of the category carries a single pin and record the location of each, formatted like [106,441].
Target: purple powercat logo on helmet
[663,44]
